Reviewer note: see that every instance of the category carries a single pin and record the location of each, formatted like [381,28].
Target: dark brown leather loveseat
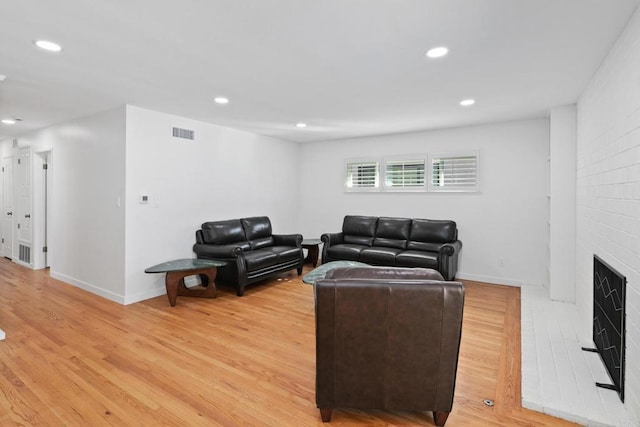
[387,338]
[252,252]
[396,242]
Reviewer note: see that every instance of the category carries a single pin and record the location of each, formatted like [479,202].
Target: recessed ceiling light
[437,52]
[8,121]
[47,45]
[301,125]
[221,100]
[467,102]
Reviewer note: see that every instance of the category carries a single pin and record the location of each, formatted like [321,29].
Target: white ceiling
[346,67]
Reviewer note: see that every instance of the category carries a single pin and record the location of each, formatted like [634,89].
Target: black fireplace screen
[609,288]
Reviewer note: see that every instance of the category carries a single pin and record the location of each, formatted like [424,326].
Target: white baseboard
[151,293]
[120,299]
[89,287]
[495,280]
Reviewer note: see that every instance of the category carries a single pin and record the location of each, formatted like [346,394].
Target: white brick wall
[608,191]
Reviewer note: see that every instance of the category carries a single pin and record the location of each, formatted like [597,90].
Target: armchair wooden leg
[325,414]
[440,417]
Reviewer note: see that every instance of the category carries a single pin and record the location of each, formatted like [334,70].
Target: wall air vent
[24,254]
[184,133]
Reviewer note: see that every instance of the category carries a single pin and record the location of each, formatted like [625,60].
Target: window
[404,175]
[454,172]
[362,175]
[437,172]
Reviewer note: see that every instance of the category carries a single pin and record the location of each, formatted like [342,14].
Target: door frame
[41,188]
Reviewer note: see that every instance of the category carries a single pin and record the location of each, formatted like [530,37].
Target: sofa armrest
[330,239]
[204,250]
[448,259]
[449,249]
[294,240]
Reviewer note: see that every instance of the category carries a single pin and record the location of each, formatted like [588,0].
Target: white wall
[608,191]
[506,220]
[562,215]
[223,174]
[87,247]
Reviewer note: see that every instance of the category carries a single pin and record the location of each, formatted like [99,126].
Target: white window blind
[405,174]
[454,172]
[362,176]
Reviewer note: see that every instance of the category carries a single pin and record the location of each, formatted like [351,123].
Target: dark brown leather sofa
[396,242]
[252,252]
[387,338]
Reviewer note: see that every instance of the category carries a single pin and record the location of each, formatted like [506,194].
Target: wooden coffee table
[178,269]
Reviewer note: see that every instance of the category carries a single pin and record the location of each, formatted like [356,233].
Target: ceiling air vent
[183,133]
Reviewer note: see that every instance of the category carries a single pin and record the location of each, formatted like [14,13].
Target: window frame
[475,188]
[363,161]
[386,161]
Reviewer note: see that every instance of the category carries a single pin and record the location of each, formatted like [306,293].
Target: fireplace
[609,292]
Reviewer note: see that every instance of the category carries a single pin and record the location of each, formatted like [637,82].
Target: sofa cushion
[359,230]
[431,231]
[424,246]
[261,258]
[223,232]
[392,232]
[258,231]
[263,242]
[256,227]
[417,259]
[379,255]
[358,240]
[345,251]
[286,253]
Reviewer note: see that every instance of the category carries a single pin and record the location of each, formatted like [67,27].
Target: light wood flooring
[73,358]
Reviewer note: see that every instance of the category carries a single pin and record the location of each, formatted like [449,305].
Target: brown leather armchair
[387,338]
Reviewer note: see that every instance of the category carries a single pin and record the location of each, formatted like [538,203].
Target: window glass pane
[362,175]
[405,173]
[454,173]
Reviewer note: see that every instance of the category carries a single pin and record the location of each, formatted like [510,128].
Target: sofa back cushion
[224,233]
[359,230]
[392,232]
[429,234]
[258,231]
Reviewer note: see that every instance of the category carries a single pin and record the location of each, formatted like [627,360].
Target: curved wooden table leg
[313,250]
[174,281]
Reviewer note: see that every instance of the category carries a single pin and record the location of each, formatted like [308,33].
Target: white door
[23,209]
[6,218]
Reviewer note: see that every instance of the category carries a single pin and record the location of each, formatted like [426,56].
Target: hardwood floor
[73,358]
